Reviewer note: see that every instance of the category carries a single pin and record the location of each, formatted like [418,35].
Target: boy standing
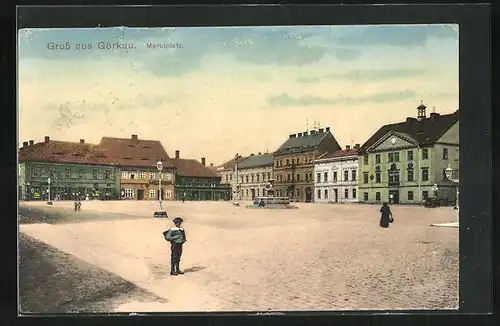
[176,236]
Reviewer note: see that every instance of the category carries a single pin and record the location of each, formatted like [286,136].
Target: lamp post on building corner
[50,201]
[449,174]
[160,212]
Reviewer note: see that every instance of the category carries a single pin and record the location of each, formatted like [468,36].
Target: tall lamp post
[50,201]
[236,186]
[449,174]
[160,212]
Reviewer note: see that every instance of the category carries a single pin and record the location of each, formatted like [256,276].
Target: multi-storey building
[137,159]
[294,163]
[337,176]
[404,162]
[76,170]
[254,174]
[195,181]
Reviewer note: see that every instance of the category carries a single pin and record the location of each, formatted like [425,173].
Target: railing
[393,183]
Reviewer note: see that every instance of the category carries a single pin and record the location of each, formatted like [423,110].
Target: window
[227,177]
[263,176]
[377,177]
[425,174]
[410,175]
[293,161]
[268,175]
[82,174]
[152,175]
[129,193]
[365,177]
[396,157]
[258,192]
[365,196]
[377,196]
[318,177]
[410,155]
[353,175]
[277,163]
[288,177]
[152,194]
[242,179]
[325,177]
[107,174]
[36,171]
[230,177]
[246,191]
[310,176]
[168,194]
[246,178]
[326,193]
[258,177]
[335,176]
[287,162]
[281,162]
[425,194]
[142,175]
[95,174]
[377,159]
[425,153]
[67,173]
[298,177]
[319,194]
[390,157]
[252,176]
[445,153]
[346,175]
[393,176]
[365,159]
[132,175]
[298,192]
[410,195]
[354,193]
[346,193]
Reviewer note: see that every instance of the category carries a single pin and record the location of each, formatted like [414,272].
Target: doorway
[140,194]
[336,194]
[393,196]
[253,193]
[308,194]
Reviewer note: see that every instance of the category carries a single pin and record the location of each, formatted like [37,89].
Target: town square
[245,169]
[317,257]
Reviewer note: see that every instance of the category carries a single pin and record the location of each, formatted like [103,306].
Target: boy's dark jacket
[175,235]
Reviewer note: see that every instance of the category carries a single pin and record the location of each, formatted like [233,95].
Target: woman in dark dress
[386,215]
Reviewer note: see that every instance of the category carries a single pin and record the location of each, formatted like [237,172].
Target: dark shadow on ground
[51,281]
[194,269]
[60,215]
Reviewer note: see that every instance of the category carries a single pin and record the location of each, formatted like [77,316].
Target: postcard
[258,169]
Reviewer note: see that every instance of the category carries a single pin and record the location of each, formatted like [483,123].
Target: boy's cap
[178,220]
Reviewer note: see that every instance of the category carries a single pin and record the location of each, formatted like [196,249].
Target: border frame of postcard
[475,233]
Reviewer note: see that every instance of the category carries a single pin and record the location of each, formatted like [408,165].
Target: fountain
[271,201]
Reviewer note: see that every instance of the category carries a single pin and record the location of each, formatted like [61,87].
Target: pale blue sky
[229,90]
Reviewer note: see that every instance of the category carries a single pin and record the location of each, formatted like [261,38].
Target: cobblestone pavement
[317,257]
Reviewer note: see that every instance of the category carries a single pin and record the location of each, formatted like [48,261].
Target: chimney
[434,116]
[320,130]
[135,139]
[299,134]
[356,146]
[47,138]
[211,165]
[304,134]
[32,142]
[260,153]
[82,141]
[327,129]
[251,154]
[293,135]
[25,145]
[348,147]
[203,160]
[313,132]
[177,154]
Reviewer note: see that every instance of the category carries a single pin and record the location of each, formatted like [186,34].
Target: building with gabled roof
[294,163]
[336,176]
[195,181]
[254,173]
[137,159]
[75,170]
[405,162]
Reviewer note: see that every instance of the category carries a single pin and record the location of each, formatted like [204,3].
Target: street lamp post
[160,212]
[49,202]
[449,174]
[236,188]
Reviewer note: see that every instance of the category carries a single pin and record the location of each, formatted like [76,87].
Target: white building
[336,176]
[254,174]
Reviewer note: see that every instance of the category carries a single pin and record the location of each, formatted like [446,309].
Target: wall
[337,165]
[258,186]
